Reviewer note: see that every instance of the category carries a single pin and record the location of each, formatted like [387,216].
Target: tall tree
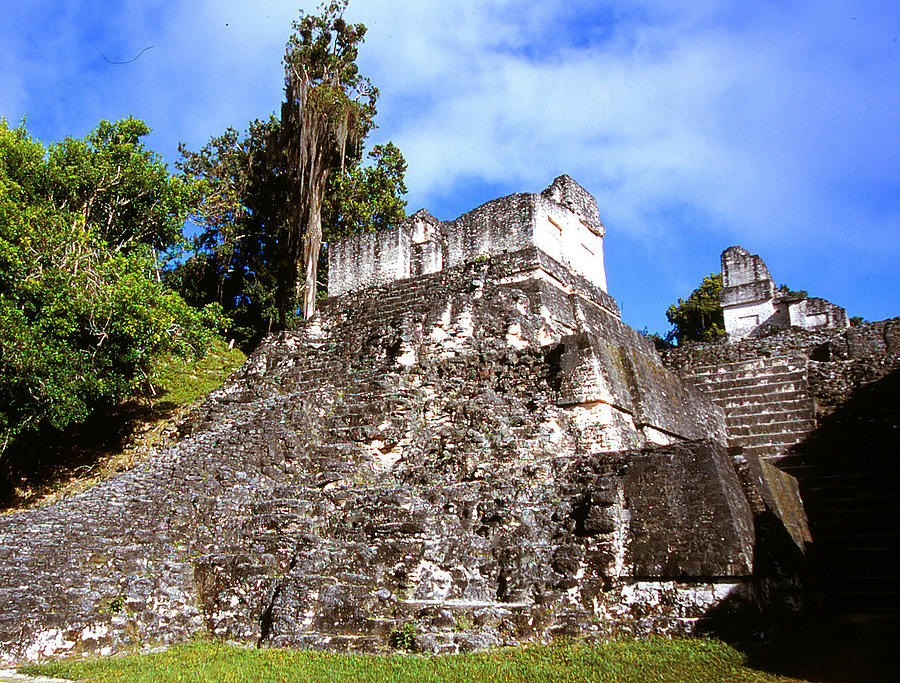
[262,225]
[329,106]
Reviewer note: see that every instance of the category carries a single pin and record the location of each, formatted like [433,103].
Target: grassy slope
[179,382]
[125,435]
[622,661]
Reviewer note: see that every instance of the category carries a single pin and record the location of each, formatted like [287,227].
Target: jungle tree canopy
[240,257]
[700,318]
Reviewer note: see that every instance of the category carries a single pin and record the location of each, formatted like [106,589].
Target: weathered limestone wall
[468,452]
[812,313]
[605,360]
[369,257]
[562,222]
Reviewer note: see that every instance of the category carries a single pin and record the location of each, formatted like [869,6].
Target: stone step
[863,478]
[877,603]
[863,585]
[884,520]
[774,415]
[851,537]
[764,379]
[765,426]
[766,445]
[760,406]
[782,391]
[790,362]
[856,566]
[798,406]
[883,497]
[875,557]
[855,499]
[753,366]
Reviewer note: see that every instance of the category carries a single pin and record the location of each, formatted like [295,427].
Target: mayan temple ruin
[467,444]
[752,305]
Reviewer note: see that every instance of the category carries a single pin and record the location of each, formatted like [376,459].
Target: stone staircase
[845,461]
[767,404]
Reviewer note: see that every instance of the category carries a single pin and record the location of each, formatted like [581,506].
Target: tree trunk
[312,243]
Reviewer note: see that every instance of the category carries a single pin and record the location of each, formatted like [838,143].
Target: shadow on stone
[35,466]
[848,475]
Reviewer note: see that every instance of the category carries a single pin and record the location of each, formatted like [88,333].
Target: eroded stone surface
[480,455]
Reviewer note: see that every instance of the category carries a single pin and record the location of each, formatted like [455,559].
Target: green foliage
[793,293]
[856,321]
[119,188]
[404,637]
[179,380]
[463,624]
[365,198]
[114,605]
[699,318]
[239,259]
[276,192]
[622,661]
[84,228]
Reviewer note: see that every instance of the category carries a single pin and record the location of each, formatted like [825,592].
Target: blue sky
[773,125]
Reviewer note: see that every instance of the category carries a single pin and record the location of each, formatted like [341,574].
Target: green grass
[622,661]
[179,381]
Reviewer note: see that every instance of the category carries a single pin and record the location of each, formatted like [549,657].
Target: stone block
[689,515]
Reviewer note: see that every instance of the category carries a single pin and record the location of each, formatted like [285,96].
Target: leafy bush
[700,318]
[85,227]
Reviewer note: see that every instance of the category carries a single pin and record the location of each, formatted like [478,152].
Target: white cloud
[746,117]
[771,124]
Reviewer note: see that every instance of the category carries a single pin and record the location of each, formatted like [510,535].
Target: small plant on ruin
[462,624]
[404,637]
[115,604]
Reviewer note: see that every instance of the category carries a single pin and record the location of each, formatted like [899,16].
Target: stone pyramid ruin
[465,445]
